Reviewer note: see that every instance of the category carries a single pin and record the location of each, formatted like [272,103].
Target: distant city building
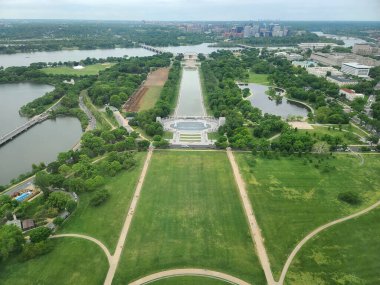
[356,69]
[341,81]
[247,32]
[315,46]
[322,71]
[350,94]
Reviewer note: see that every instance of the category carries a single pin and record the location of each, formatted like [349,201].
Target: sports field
[291,196]
[87,70]
[104,222]
[189,216]
[72,261]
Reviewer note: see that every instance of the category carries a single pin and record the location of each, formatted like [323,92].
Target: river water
[25,59]
[190,101]
[348,41]
[261,100]
[41,143]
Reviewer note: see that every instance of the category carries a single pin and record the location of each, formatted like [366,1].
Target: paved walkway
[315,232]
[114,261]
[253,225]
[102,246]
[189,272]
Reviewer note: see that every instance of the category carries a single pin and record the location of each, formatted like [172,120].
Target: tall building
[354,68]
[247,32]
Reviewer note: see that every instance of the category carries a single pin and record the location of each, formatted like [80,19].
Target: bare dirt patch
[301,125]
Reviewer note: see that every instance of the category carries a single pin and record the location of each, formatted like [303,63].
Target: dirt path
[102,246]
[315,232]
[189,272]
[253,225]
[114,261]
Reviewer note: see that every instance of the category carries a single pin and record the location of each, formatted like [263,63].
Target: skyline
[185,10]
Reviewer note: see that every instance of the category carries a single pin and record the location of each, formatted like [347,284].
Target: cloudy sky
[191,9]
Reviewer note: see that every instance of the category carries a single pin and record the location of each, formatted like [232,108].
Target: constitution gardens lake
[41,143]
[261,100]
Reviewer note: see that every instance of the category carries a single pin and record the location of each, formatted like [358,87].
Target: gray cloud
[192,9]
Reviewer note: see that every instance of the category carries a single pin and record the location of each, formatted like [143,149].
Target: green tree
[58,200]
[11,240]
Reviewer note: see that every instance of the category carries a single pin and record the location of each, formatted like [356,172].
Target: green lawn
[150,98]
[291,197]
[347,137]
[189,280]
[87,70]
[189,215]
[72,261]
[258,78]
[347,253]
[105,222]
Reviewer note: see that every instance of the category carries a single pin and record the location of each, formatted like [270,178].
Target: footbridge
[153,49]
[35,120]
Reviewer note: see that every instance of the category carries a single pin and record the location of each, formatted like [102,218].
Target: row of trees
[116,84]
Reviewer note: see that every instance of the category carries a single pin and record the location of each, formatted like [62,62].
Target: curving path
[253,225]
[189,272]
[102,246]
[114,260]
[315,232]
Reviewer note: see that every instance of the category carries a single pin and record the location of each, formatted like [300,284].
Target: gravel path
[253,225]
[102,246]
[189,272]
[114,261]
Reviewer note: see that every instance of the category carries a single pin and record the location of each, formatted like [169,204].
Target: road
[19,186]
[90,116]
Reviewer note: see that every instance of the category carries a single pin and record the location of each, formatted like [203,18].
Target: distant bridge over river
[153,49]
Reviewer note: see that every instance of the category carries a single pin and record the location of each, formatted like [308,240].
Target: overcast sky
[192,9]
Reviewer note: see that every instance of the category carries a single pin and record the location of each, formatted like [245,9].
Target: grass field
[347,137]
[189,280]
[291,197]
[150,98]
[347,253]
[104,222]
[258,78]
[87,70]
[189,215]
[72,261]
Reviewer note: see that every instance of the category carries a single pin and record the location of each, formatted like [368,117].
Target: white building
[356,69]
[350,94]
[314,46]
[321,71]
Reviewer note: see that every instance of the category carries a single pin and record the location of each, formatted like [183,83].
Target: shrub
[350,198]
[58,221]
[33,250]
[99,197]
[39,234]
